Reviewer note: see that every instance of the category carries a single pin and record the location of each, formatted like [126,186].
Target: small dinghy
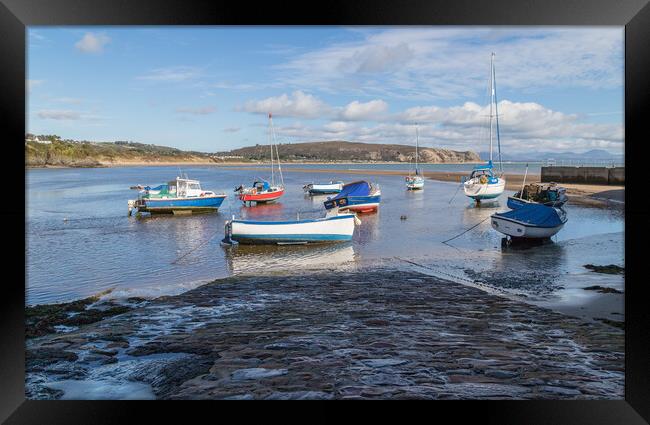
[549,194]
[323,188]
[530,221]
[358,196]
[334,227]
[178,196]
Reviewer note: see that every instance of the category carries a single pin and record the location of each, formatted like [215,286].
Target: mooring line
[462,233]
[195,248]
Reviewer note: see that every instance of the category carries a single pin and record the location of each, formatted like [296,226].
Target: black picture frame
[16,15]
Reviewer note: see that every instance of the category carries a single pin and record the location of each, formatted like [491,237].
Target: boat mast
[496,113]
[271,144]
[277,153]
[417,139]
[491,99]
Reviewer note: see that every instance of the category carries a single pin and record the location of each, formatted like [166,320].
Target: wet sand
[379,333]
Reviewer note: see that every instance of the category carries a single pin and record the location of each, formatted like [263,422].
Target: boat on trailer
[263,191]
[323,188]
[530,221]
[180,196]
[334,227]
[359,196]
[483,183]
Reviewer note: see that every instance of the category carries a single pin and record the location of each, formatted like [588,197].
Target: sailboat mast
[277,153]
[491,98]
[496,113]
[417,140]
[271,144]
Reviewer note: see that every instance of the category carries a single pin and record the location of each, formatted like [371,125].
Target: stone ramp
[369,334]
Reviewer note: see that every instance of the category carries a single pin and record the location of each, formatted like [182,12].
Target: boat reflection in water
[262,211]
[249,259]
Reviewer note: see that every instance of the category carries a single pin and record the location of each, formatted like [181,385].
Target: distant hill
[352,151]
[52,151]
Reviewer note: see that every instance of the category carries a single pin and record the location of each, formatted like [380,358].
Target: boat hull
[480,191]
[169,205]
[261,197]
[325,230]
[322,189]
[520,230]
[514,203]
[361,204]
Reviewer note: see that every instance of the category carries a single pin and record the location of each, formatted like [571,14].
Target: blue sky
[210,88]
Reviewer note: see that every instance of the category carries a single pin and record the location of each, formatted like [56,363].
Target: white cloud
[357,111]
[31,84]
[453,63]
[205,110]
[172,74]
[298,104]
[59,115]
[524,127]
[92,43]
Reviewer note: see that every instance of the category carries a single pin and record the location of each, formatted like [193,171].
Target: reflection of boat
[549,194]
[334,227]
[415,182]
[177,196]
[252,258]
[483,183]
[263,191]
[323,188]
[530,221]
[358,196]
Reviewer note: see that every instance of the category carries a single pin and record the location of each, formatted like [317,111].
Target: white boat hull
[315,188]
[477,190]
[517,229]
[333,229]
[414,183]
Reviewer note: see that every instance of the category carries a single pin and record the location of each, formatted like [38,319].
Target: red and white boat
[263,191]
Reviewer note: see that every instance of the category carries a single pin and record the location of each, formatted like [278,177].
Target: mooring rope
[195,248]
[462,233]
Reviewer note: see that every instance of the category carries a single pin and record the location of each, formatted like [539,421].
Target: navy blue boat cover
[535,214]
[360,188]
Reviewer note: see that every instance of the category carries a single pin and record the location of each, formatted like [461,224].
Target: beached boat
[323,188]
[416,181]
[263,191]
[359,196]
[530,221]
[483,182]
[182,195]
[334,227]
[549,194]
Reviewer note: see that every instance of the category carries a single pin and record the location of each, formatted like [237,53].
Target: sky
[211,88]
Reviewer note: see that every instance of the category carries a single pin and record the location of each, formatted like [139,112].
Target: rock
[257,373]
[560,390]
[383,362]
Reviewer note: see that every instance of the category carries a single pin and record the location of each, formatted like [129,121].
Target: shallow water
[79,240]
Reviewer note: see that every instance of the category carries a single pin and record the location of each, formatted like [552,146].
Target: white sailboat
[483,182]
[415,182]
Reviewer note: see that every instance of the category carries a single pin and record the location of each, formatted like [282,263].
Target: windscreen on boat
[360,188]
[534,214]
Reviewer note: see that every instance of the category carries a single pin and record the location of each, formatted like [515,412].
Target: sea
[80,240]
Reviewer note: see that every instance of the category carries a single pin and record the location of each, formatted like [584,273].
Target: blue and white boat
[359,196]
[549,194]
[483,182]
[530,221]
[323,188]
[178,196]
[334,227]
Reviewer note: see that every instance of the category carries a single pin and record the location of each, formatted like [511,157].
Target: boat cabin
[263,186]
[185,188]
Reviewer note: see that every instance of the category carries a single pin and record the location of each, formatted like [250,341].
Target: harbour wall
[585,175]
